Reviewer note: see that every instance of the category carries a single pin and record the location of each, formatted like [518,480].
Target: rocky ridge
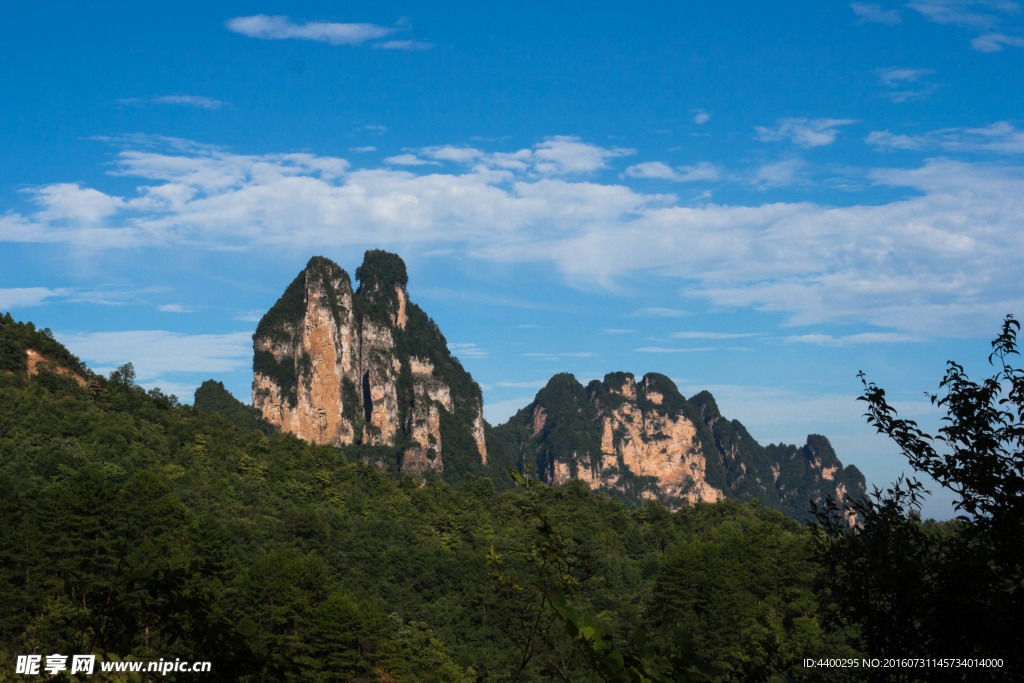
[645,441]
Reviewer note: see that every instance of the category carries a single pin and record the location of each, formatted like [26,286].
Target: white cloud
[467,350]
[862,338]
[1000,138]
[655,312]
[408,160]
[662,349]
[196,101]
[885,139]
[981,16]
[874,13]
[803,132]
[651,169]
[994,42]
[700,117]
[175,308]
[407,45]
[362,150]
[776,174]
[568,154]
[896,75]
[927,263]
[283,28]
[713,335]
[70,202]
[461,155]
[564,354]
[23,297]
[155,353]
[962,12]
[538,384]
[703,171]
[617,331]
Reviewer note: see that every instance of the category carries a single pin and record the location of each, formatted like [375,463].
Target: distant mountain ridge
[645,441]
[347,367]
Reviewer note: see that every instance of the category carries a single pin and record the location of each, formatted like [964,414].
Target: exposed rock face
[36,361]
[338,367]
[644,440]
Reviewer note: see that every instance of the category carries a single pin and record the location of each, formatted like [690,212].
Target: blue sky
[760,199]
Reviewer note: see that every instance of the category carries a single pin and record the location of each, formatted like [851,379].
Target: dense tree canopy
[942,590]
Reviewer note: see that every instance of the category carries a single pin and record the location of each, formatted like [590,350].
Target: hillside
[134,525]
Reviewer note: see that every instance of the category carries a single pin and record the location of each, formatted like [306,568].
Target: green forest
[134,526]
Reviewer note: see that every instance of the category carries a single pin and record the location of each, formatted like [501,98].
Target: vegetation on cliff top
[16,338]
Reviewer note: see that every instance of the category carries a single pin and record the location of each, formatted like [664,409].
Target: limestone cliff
[337,366]
[644,440]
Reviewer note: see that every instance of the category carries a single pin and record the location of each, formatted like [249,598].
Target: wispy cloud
[564,354]
[663,349]
[874,13]
[175,308]
[994,42]
[984,17]
[967,13]
[896,75]
[154,353]
[692,334]
[700,117]
[784,173]
[803,132]
[283,28]
[467,350]
[407,45]
[862,338]
[23,297]
[905,83]
[538,384]
[556,155]
[195,101]
[655,312]
[1001,137]
[408,160]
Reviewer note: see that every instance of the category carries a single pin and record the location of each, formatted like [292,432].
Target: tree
[941,589]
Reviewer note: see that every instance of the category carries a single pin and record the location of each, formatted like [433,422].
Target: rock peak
[339,367]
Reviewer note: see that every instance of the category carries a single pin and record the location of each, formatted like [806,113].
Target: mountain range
[366,368]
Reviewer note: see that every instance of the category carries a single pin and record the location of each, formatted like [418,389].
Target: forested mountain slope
[136,526]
